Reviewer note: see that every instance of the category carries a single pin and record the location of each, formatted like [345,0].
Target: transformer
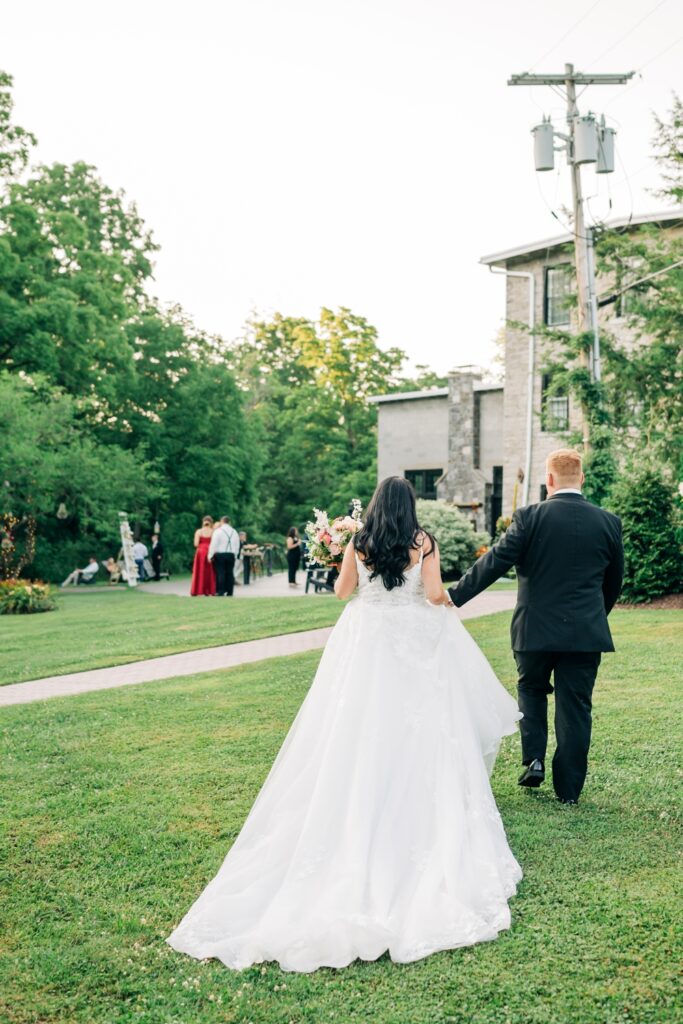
[585,140]
[605,150]
[544,146]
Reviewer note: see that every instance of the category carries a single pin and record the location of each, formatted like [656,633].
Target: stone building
[553,419]
[484,446]
[448,442]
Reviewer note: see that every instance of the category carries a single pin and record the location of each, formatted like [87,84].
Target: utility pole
[586,142]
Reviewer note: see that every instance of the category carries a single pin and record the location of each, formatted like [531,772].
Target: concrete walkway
[206,659]
[265,586]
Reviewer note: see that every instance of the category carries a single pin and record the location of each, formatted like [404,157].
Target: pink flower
[335,549]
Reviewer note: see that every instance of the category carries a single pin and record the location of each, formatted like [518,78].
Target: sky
[293,154]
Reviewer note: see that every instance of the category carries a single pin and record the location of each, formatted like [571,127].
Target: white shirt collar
[567,490]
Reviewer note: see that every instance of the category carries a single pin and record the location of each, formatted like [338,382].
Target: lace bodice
[412,591]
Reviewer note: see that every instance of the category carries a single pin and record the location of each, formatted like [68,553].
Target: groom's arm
[614,573]
[494,564]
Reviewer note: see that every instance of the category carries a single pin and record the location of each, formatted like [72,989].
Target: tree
[650,512]
[15,142]
[206,452]
[458,542]
[74,260]
[48,459]
[307,385]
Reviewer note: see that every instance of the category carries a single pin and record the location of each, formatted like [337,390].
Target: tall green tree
[49,459]
[74,260]
[15,142]
[207,453]
[307,385]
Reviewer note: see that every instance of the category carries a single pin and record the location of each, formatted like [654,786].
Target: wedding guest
[246,558]
[268,558]
[157,555]
[223,550]
[203,575]
[140,553]
[293,554]
[114,570]
[86,575]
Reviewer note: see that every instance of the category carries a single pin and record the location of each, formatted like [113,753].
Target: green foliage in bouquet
[650,512]
[458,541]
[23,597]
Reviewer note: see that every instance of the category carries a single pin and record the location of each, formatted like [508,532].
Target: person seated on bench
[86,575]
[114,570]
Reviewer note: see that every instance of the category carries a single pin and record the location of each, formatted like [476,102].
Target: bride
[376,828]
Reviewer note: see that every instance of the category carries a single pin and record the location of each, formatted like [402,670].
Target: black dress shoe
[564,800]
[533,775]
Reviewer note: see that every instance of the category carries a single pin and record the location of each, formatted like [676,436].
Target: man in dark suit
[569,559]
[157,555]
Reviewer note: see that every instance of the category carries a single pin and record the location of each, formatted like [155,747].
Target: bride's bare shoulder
[424,542]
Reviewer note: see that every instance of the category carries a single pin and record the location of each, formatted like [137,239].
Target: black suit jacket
[570,561]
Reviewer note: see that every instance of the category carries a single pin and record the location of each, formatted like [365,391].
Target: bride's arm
[347,581]
[431,575]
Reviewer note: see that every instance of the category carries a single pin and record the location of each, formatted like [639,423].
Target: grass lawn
[110,628]
[120,806]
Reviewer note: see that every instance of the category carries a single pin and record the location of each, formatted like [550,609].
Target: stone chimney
[464,485]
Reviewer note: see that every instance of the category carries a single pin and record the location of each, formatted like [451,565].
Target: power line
[628,33]
[567,33]
[661,52]
[639,70]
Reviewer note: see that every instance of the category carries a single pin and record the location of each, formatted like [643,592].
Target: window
[554,407]
[625,303]
[494,508]
[557,295]
[476,431]
[424,481]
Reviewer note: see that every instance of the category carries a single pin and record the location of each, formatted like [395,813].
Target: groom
[569,560]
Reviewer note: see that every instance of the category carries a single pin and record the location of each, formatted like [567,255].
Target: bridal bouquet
[327,541]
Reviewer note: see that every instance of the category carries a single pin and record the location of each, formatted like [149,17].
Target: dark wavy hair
[390,531]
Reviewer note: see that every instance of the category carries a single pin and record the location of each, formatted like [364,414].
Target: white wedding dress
[376,828]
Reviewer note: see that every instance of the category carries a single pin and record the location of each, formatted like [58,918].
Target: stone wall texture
[412,434]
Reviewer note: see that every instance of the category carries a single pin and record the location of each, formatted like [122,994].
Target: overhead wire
[613,46]
[630,31]
[642,67]
[567,33]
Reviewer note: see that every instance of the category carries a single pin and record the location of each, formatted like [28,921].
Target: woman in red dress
[203,576]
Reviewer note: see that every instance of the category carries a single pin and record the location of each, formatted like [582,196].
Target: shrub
[22,597]
[650,512]
[458,541]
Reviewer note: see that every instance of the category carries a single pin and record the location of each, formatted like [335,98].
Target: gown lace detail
[376,828]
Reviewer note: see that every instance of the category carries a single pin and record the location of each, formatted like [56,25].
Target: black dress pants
[574,675]
[293,559]
[224,565]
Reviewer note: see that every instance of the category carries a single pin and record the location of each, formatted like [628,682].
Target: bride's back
[374,590]
[390,546]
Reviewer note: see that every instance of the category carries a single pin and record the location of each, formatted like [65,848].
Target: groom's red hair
[566,465]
